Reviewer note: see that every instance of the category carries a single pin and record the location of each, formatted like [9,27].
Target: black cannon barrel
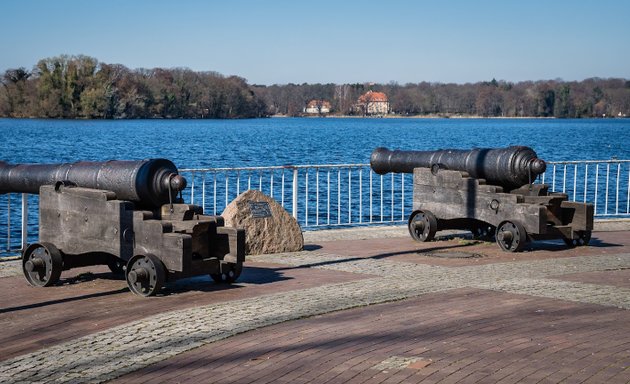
[509,167]
[143,181]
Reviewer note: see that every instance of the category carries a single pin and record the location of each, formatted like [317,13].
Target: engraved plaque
[259,209]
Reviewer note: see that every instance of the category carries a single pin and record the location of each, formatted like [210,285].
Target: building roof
[316,103]
[372,96]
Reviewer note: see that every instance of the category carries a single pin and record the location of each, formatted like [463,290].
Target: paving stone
[10,268]
[106,355]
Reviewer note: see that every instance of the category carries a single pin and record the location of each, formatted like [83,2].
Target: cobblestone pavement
[109,354]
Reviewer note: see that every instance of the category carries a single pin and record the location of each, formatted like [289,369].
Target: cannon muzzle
[509,167]
[147,182]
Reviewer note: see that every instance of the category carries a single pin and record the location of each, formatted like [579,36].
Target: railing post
[24,221]
[295,192]
[227,189]
[382,204]
[338,195]
[8,222]
[360,194]
[402,196]
[575,167]
[282,189]
[564,178]
[349,195]
[306,198]
[606,195]
[238,183]
[203,191]
[316,196]
[271,185]
[328,197]
[370,171]
[393,196]
[192,187]
[585,181]
[596,185]
[617,189]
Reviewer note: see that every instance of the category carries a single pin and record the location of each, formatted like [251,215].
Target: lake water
[296,141]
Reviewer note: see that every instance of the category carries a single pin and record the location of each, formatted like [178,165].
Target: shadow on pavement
[250,275]
[62,301]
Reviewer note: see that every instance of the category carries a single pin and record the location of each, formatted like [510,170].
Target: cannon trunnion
[499,203]
[150,236]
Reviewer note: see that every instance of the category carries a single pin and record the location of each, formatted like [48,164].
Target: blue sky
[278,42]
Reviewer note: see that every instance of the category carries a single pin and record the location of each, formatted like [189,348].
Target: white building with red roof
[317,107]
[373,103]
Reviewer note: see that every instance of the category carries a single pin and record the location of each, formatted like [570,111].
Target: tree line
[554,98]
[82,87]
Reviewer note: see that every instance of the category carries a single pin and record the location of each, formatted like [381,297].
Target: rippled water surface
[277,141]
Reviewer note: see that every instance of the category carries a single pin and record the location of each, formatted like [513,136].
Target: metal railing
[326,196]
[8,213]
[316,195]
[606,184]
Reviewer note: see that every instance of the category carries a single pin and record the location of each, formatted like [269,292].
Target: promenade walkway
[357,306]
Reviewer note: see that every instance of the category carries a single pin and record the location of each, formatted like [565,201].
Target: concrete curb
[382,232]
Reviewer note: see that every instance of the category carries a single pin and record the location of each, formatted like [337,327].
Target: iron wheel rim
[518,236]
[422,226]
[50,264]
[154,270]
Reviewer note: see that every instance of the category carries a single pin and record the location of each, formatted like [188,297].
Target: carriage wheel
[422,225]
[511,236]
[229,273]
[145,275]
[42,264]
[584,237]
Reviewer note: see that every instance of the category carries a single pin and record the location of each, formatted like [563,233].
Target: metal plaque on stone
[259,209]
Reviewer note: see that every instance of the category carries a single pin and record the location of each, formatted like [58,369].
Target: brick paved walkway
[464,335]
[546,315]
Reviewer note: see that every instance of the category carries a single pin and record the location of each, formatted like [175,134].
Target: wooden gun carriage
[124,214]
[489,192]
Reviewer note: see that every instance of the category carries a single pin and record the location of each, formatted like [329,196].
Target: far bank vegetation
[82,87]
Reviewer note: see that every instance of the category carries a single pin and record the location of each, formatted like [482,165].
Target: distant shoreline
[434,116]
[279,116]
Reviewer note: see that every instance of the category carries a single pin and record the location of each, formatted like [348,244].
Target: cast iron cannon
[509,167]
[124,214]
[489,191]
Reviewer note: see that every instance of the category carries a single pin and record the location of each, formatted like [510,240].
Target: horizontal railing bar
[289,166]
[278,167]
[588,161]
[323,225]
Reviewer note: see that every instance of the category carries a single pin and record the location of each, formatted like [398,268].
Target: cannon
[488,191]
[128,215]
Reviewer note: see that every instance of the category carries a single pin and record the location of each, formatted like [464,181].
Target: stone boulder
[269,228]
